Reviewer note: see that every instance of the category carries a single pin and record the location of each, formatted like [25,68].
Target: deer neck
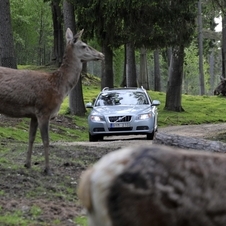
[70,70]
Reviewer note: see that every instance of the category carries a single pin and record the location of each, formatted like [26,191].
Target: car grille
[120,118]
[121,129]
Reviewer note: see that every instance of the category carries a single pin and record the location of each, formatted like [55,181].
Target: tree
[7,51]
[76,101]
[173,97]
[186,21]
[143,78]
[131,76]
[58,48]
[100,23]
[32,31]
[107,75]
[200,42]
[220,5]
[157,77]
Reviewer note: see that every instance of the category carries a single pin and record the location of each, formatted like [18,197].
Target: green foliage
[81,221]
[13,219]
[32,31]
[35,211]
[150,23]
[198,110]
[191,71]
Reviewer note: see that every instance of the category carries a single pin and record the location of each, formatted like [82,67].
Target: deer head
[83,51]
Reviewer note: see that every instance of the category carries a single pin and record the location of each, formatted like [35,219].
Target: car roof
[106,89]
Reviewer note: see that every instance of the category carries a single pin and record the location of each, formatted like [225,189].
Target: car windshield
[122,98]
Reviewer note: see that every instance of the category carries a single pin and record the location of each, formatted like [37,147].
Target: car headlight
[95,118]
[144,116]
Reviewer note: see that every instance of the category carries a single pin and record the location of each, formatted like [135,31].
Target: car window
[121,98]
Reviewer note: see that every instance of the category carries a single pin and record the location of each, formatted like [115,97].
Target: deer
[155,185]
[221,87]
[38,95]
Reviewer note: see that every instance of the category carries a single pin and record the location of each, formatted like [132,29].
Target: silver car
[122,111]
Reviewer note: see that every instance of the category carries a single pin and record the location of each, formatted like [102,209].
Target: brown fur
[38,95]
[156,186]
[84,190]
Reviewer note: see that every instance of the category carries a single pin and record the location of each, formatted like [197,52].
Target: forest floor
[30,196]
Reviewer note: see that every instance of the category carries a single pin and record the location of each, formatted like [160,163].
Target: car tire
[150,136]
[95,138]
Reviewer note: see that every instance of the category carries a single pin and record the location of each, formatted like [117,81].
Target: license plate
[119,125]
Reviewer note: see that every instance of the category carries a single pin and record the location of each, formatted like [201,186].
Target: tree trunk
[107,77]
[174,89]
[224,46]
[200,39]
[157,77]
[143,78]
[131,77]
[76,100]
[211,71]
[7,52]
[123,83]
[58,48]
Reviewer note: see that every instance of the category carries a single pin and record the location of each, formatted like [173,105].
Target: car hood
[121,110]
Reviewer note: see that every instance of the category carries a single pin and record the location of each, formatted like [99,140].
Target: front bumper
[106,128]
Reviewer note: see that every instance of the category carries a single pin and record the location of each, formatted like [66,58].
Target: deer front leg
[44,130]
[32,133]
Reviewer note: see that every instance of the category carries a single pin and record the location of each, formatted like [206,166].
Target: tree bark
[76,100]
[224,46]
[157,77]
[123,83]
[58,47]
[107,77]
[143,78]
[211,71]
[131,77]
[7,52]
[174,86]
[200,41]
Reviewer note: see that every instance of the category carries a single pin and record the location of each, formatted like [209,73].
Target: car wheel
[100,138]
[93,138]
[150,136]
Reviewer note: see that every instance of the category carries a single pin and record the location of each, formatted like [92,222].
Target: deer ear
[69,35]
[222,78]
[78,36]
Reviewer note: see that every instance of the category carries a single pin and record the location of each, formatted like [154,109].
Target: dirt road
[197,131]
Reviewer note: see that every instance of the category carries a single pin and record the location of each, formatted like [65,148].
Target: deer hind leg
[44,130]
[32,134]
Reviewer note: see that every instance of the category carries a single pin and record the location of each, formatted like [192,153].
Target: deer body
[39,95]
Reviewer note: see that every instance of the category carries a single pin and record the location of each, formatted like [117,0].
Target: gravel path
[197,131]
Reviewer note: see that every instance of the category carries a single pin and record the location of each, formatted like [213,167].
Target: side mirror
[89,105]
[155,103]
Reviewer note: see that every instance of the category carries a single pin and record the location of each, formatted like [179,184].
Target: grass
[198,110]
[13,219]
[81,221]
